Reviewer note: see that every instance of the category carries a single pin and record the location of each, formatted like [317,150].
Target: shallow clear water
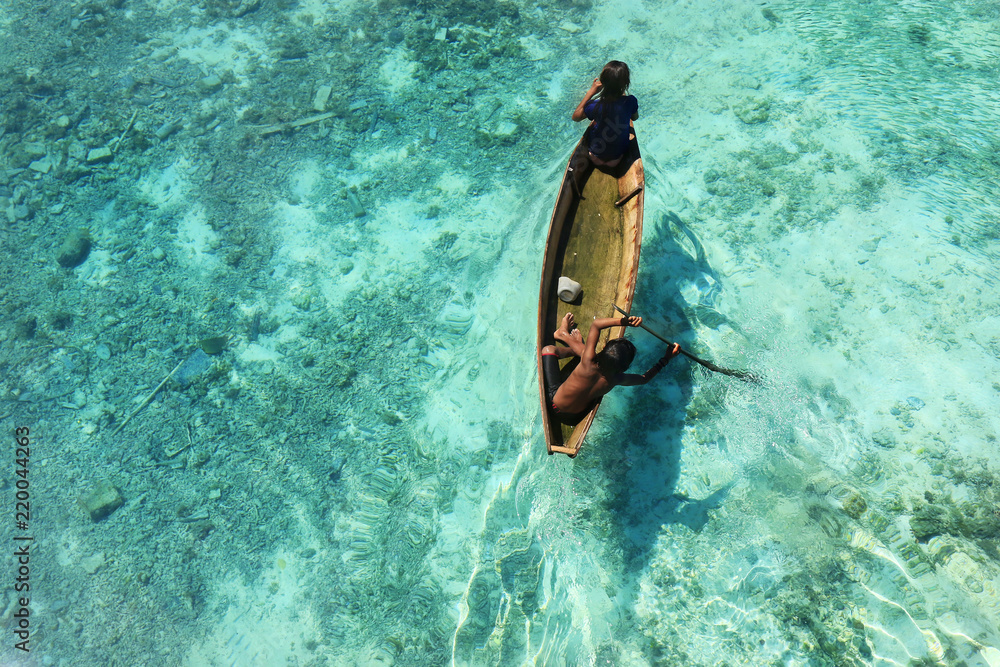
[359,476]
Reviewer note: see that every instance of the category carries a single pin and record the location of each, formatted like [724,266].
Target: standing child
[611,113]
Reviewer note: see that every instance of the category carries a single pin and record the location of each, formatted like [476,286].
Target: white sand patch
[98,269]
[284,311]
[169,186]
[67,548]
[534,48]
[215,50]
[196,239]
[297,224]
[379,161]
[333,286]
[403,240]
[305,178]
[451,184]
[266,623]
[846,140]
[397,70]
[559,82]
[610,24]
[257,352]
[266,348]
[310,257]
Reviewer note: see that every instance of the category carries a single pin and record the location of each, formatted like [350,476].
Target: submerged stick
[295,124]
[125,131]
[742,375]
[146,400]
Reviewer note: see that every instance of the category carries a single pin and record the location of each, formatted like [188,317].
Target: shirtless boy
[596,374]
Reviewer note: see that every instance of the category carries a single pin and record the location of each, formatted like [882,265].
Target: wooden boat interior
[596,243]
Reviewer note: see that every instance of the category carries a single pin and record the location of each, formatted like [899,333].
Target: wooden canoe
[596,243]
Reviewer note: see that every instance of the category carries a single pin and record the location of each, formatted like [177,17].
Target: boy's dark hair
[616,357]
[615,79]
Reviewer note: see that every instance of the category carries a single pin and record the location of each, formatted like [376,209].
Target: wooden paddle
[742,375]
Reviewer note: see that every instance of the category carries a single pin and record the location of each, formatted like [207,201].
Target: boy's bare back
[587,382]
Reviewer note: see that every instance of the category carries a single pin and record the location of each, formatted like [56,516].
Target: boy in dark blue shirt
[611,113]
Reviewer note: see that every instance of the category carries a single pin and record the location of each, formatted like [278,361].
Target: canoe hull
[596,243]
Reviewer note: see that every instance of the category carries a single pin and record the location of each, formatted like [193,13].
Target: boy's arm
[633,380]
[603,323]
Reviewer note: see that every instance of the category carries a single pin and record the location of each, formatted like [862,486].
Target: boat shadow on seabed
[644,481]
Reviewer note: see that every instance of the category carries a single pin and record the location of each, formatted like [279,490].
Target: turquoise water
[358,477]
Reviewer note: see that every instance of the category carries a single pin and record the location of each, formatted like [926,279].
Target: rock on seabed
[74,249]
